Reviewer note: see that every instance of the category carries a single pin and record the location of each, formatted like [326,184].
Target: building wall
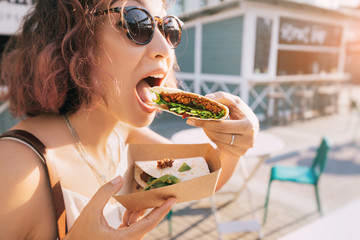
[242,50]
[211,49]
[6,121]
[221,46]
[185,52]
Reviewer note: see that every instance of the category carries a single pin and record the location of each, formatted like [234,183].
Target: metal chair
[327,99]
[276,112]
[303,107]
[300,174]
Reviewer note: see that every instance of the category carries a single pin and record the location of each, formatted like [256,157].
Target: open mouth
[153,81]
[143,88]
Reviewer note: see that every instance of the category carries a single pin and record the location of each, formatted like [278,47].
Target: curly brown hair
[49,66]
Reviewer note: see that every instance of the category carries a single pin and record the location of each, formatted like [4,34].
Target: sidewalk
[291,205]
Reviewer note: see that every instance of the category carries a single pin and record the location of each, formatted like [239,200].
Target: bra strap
[57,196]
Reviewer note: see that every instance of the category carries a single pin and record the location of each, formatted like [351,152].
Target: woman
[82,77]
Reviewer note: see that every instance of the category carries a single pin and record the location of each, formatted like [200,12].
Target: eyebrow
[112,2]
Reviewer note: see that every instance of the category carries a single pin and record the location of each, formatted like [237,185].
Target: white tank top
[113,211]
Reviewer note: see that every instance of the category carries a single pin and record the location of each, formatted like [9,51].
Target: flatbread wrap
[188,105]
[158,173]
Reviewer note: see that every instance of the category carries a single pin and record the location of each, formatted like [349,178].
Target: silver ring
[131,222]
[232,140]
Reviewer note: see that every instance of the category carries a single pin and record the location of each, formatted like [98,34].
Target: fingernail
[116,180]
[211,95]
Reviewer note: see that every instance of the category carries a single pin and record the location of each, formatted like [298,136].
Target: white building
[254,47]
[11,15]
[186,6]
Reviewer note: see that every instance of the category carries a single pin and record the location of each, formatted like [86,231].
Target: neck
[94,129]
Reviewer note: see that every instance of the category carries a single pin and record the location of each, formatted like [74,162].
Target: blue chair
[300,174]
[169,219]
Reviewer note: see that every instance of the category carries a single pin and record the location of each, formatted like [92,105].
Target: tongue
[143,90]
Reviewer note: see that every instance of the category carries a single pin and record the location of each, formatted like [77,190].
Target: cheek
[115,52]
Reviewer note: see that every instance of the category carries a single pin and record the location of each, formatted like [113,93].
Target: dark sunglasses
[140,25]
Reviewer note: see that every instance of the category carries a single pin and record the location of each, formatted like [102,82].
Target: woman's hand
[91,224]
[233,137]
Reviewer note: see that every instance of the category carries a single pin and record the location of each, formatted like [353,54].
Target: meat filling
[144,176]
[164,163]
[191,100]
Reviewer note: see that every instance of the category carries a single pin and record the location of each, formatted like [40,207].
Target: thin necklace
[102,178]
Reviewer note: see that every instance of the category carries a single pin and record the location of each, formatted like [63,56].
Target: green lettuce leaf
[193,109]
[184,168]
[162,181]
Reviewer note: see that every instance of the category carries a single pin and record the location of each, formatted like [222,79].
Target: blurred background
[297,64]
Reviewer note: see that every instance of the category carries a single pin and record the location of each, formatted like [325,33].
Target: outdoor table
[265,145]
[340,224]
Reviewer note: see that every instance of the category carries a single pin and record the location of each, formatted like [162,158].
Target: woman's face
[127,66]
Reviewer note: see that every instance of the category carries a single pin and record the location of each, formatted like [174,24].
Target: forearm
[228,166]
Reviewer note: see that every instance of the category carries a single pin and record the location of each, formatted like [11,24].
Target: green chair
[300,174]
[169,219]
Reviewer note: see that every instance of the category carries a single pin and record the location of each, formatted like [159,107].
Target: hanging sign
[11,15]
[297,32]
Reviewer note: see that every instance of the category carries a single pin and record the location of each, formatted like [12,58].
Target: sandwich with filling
[159,173]
[188,105]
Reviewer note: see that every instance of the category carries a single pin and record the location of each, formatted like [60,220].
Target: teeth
[157,76]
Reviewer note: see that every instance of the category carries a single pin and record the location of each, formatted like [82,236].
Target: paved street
[291,205]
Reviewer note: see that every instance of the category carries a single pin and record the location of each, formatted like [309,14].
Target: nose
[159,47]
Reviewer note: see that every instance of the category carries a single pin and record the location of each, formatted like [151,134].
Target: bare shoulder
[26,204]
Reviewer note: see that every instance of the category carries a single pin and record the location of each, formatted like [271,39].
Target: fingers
[236,135]
[243,120]
[131,217]
[151,220]
[233,140]
[226,126]
[236,106]
[125,220]
[102,196]
[135,216]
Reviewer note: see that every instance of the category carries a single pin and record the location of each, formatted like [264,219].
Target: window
[301,62]
[262,47]
[307,47]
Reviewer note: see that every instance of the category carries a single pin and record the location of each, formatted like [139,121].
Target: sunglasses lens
[172,31]
[140,26]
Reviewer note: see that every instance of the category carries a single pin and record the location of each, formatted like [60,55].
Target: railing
[255,91]
[287,85]
[209,83]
